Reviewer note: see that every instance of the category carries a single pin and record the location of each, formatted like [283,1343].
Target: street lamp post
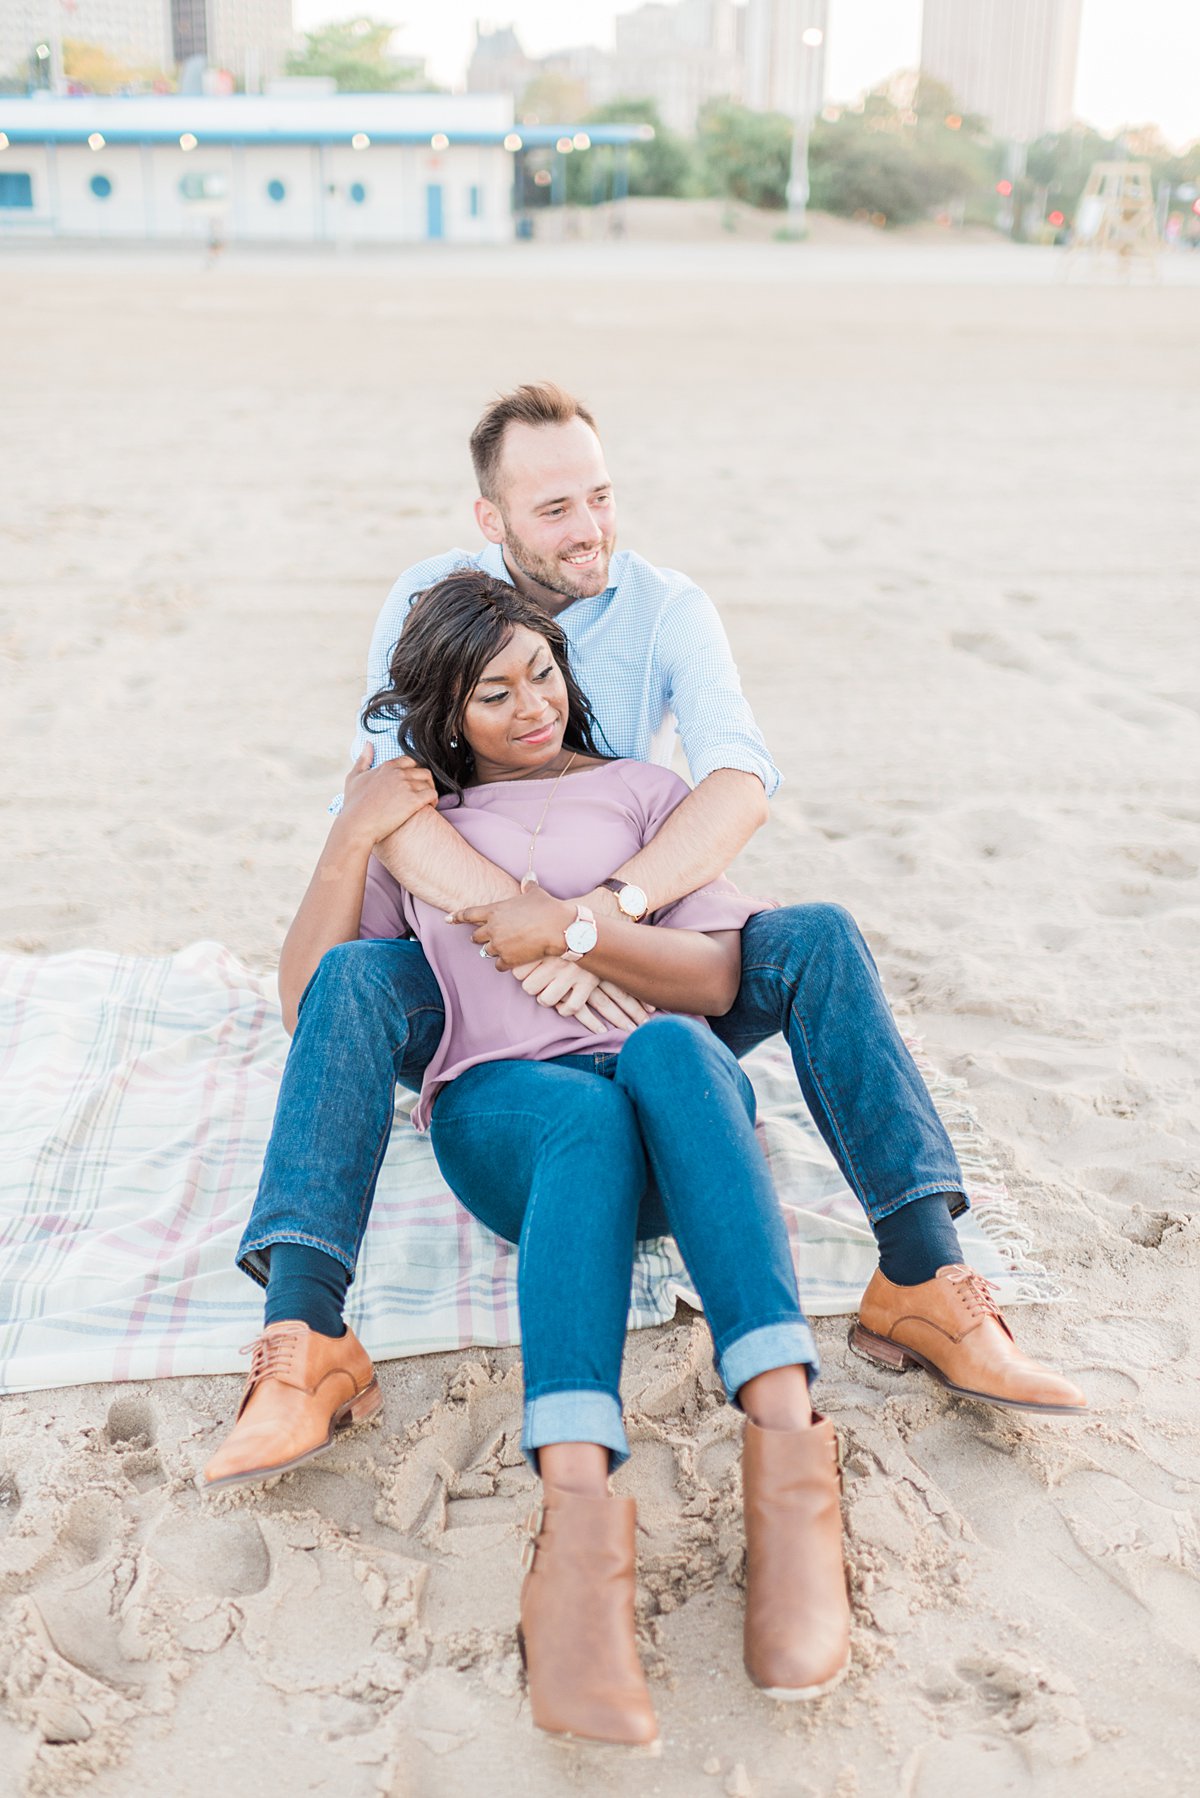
[797,187]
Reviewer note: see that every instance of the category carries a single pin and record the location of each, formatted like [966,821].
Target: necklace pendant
[529,881]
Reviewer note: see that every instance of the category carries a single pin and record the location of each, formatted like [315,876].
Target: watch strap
[583,915]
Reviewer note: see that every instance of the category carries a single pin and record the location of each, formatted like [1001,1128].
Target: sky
[1139,60]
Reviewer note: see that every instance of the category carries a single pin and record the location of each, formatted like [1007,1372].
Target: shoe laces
[975,1292]
[271,1354]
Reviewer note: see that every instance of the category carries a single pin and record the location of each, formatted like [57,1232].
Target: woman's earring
[454,742]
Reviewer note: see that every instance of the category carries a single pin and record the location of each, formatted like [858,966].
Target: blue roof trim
[533,137]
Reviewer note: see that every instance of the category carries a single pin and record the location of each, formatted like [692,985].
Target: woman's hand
[527,928]
[574,992]
[379,800]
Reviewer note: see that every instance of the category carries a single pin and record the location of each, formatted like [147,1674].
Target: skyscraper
[1013,61]
[785,43]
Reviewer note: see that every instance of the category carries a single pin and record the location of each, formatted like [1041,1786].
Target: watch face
[632,901]
[581,936]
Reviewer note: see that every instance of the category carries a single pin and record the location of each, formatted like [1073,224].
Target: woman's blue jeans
[372,1017]
[575,1159]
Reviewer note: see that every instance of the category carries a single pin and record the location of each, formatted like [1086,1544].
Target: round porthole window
[276,191]
[358,192]
[101,186]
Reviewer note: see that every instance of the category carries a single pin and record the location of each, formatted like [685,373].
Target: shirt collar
[491,560]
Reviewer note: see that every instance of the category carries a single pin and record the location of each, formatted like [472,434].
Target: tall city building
[785,44]
[134,32]
[498,64]
[1014,61]
[678,55]
[250,38]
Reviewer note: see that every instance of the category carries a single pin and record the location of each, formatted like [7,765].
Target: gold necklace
[529,878]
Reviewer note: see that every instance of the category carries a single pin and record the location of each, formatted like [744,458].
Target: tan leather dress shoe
[576,1635]
[951,1327]
[303,1388]
[797,1628]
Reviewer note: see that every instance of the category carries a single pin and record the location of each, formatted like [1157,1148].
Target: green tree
[745,155]
[1057,166]
[663,165]
[900,162]
[357,53]
[551,99]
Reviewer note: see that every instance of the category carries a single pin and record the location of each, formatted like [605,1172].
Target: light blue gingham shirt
[650,652]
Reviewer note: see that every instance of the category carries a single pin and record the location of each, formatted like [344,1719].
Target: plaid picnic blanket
[136,1098]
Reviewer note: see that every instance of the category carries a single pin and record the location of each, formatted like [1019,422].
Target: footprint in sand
[10,1500]
[131,1423]
[991,649]
[1148,1549]
[224,1556]
[1147,1342]
[1036,1705]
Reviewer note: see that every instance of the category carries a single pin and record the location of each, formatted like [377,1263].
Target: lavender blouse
[596,821]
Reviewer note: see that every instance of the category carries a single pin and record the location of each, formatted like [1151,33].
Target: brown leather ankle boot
[797,1631]
[576,1635]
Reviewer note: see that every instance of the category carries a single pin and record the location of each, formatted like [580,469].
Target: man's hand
[526,928]
[576,993]
[380,800]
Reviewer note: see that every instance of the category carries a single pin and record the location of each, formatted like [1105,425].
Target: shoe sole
[799,1694]
[893,1357]
[364,1406]
[650,1750]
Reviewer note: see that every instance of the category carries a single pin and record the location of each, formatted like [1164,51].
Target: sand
[946,504]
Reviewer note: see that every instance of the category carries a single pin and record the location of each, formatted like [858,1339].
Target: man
[647,646]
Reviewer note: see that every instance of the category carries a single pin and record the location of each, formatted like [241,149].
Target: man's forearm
[429,858]
[698,841]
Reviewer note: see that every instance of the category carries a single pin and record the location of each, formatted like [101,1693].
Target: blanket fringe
[992,1205]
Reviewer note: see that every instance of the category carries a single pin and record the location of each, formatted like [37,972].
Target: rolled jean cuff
[774,1345]
[587,1416]
[955,1186]
[252,1259]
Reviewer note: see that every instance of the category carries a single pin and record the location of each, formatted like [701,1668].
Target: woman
[570,1142]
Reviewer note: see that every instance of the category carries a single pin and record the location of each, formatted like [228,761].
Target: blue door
[434,224]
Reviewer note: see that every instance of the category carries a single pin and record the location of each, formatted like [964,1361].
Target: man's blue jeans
[372,1016]
[575,1159]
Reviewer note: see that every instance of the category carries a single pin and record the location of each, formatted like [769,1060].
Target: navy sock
[918,1239]
[306,1284]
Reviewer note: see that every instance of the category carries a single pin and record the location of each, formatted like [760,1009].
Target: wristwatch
[632,901]
[581,934]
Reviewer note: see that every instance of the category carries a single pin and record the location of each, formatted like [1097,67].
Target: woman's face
[517,713]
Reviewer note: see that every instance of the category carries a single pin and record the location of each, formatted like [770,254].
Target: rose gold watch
[581,934]
[631,899]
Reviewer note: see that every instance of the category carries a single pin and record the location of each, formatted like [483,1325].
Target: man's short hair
[534,403]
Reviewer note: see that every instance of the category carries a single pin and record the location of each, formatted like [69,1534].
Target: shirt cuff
[742,760]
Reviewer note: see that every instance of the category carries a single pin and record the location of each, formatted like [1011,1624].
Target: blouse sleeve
[383,905]
[718,906]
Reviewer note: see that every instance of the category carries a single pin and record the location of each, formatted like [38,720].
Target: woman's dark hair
[451,633]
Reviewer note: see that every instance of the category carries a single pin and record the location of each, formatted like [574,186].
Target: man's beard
[556,575]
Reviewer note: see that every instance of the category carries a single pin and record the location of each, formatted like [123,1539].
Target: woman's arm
[673,970]
[378,801]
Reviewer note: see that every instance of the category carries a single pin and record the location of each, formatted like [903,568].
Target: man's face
[555,514]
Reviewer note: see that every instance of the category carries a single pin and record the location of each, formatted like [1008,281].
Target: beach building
[382,168]
[1014,61]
